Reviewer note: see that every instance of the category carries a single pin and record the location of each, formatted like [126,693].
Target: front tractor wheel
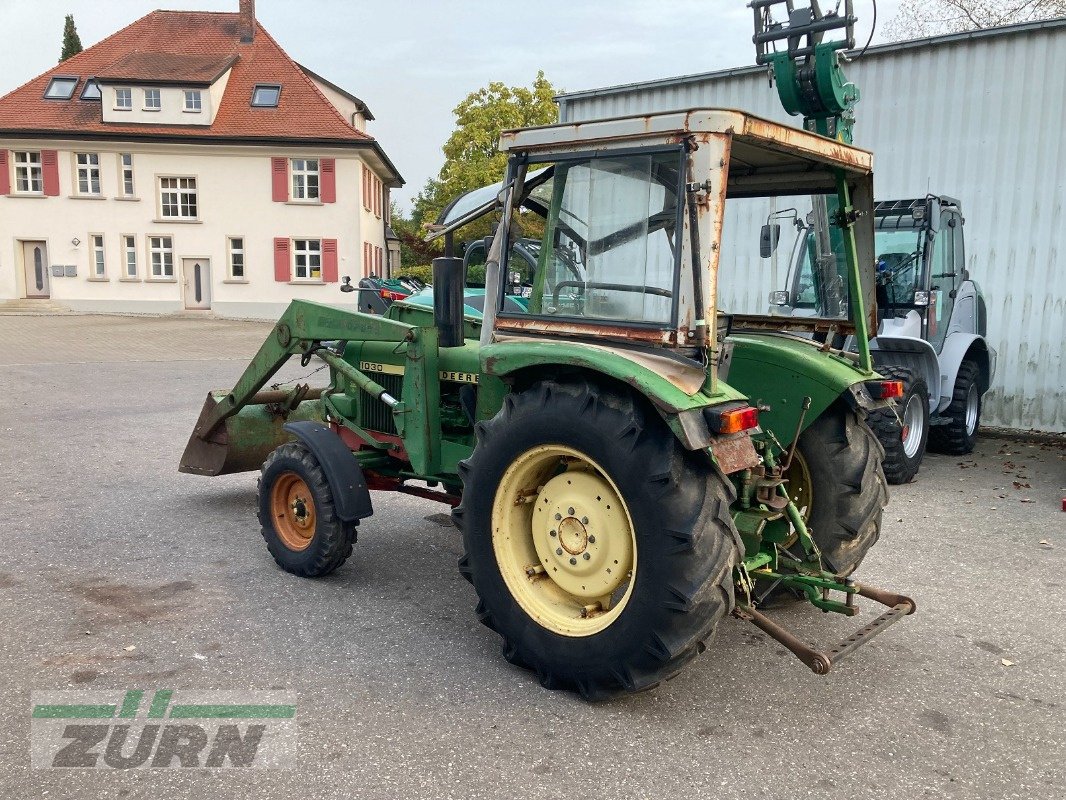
[600,550]
[297,514]
[839,487]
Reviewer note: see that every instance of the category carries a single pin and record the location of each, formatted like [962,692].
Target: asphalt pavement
[120,573]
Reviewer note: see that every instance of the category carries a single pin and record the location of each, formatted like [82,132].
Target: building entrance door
[197,276]
[35,261]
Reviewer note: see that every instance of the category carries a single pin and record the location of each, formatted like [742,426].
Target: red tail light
[733,419]
[883,390]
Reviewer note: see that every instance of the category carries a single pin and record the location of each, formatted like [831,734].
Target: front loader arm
[303,325]
[237,429]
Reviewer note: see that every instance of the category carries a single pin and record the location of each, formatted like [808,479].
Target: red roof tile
[173,68]
[303,112]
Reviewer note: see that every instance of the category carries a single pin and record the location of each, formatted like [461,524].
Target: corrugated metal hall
[978,116]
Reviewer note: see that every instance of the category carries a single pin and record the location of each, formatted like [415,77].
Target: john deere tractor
[616,492]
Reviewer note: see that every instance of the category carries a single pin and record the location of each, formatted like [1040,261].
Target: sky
[413,61]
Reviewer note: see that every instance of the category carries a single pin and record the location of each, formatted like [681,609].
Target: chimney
[246,21]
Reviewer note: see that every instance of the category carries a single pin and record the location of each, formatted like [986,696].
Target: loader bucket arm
[237,429]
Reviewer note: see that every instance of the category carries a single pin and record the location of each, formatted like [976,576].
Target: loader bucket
[243,441]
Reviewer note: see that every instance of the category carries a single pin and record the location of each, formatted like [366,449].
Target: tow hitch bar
[820,662]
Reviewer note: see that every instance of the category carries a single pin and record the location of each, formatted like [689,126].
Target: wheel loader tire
[297,514]
[575,491]
[959,435]
[904,444]
[848,490]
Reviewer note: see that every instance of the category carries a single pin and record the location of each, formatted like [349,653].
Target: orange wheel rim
[292,508]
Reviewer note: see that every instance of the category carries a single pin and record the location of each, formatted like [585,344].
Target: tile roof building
[226,176]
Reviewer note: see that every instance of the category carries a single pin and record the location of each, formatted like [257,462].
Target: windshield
[899,266]
[610,247]
[807,255]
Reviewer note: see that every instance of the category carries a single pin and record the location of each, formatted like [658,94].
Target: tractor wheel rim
[799,485]
[292,509]
[913,426]
[564,540]
[972,405]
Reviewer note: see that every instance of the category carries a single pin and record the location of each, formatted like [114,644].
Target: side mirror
[346,284]
[932,214]
[768,239]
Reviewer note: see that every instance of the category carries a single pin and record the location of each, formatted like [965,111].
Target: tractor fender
[959,347]
[913,353]
[674,387]
[351,496]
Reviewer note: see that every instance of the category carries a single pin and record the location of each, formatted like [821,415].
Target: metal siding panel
[944,118]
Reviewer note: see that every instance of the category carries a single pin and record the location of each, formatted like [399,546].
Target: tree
[918,18]
[471,155]
[71,40]
[414,251]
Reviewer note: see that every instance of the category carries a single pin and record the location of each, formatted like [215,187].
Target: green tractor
[626,465]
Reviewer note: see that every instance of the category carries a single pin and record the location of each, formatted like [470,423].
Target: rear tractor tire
[601,551]
[904,430]
[959,435]
[297,514]
[838,484]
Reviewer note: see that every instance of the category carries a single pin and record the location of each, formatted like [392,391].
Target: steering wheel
[611,287]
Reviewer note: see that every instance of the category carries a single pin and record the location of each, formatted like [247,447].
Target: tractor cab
[621,231]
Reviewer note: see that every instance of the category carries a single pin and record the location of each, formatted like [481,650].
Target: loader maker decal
[391,369]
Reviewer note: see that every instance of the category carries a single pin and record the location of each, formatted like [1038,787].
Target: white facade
[978,117]
[234,200]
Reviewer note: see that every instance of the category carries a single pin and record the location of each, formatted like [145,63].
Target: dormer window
[265,95]
[60,88]
[91,90]
[151,100]
[193,100]
[124,99]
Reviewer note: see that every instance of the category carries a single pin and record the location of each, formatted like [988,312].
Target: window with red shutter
[329,261]
[282,268]
[50,172]
[377,260]
[328,168]
[279,179]
[5,175]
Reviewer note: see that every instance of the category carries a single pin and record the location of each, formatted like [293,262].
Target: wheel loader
[616,493]
[931,324]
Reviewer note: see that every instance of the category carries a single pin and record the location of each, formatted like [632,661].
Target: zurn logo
[163,729]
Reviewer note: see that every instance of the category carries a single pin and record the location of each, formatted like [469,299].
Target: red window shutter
[329,180]
[282,270]
[377,260]
[50,171]
[279,179]
[5,176]
[367,269]
[329,260]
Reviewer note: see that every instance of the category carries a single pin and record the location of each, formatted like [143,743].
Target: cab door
[944,275]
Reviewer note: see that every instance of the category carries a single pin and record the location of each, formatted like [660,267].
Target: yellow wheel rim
[293,509]
[800,489]
[564,540]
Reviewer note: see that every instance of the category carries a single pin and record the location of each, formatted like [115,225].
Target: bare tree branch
[918,18]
